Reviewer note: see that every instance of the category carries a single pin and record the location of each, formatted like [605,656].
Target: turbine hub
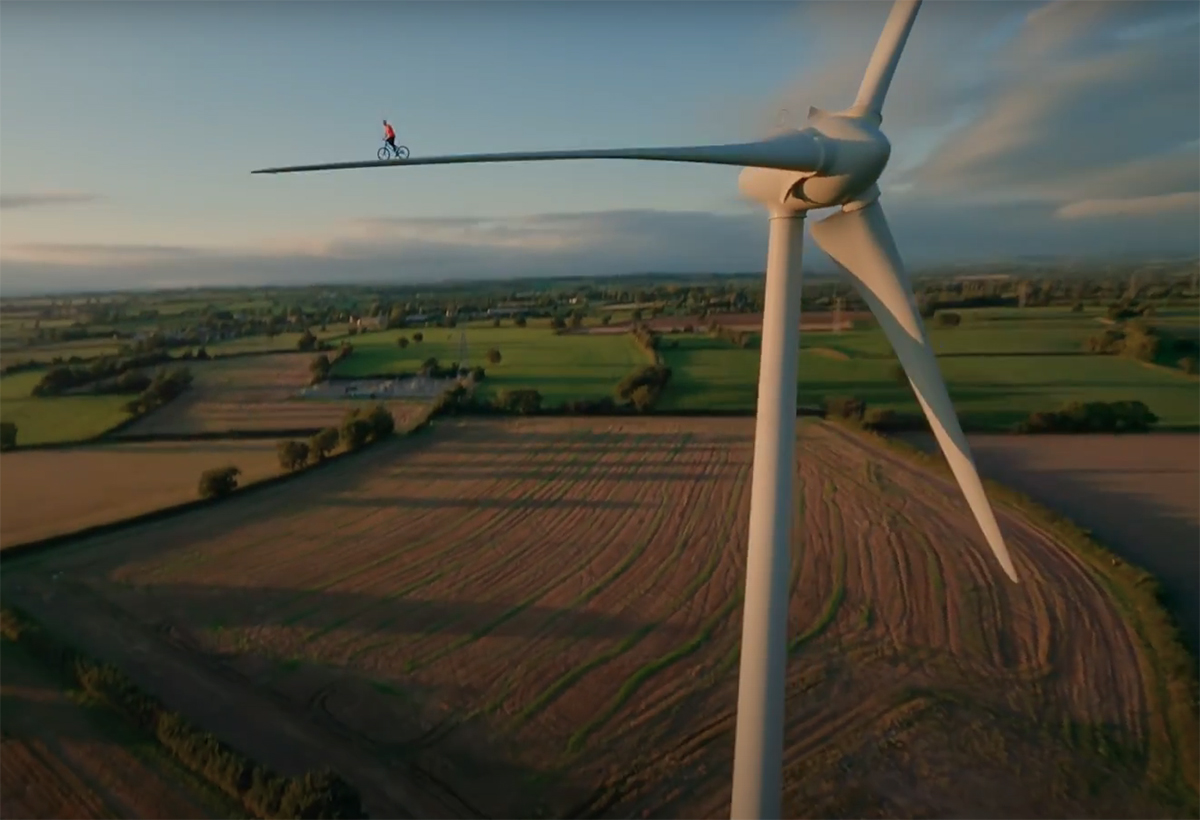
[855,154]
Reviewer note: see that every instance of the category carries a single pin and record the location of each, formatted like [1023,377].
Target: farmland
[57,419]
[51,492]
[252,394]
[561,368]
[1139,495]
[556,604]
[67,757]
[999,369]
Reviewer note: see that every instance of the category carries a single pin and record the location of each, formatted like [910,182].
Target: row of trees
[8,435]
[166,386]
[737,338]
[1137,340]
[321,365]
[59,380]
[359,427]
[1093,417]
[261,791]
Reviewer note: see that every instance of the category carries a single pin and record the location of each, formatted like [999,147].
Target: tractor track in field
[542,616]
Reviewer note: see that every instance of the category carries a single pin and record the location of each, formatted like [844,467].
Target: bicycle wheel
[402,151]
[383,153]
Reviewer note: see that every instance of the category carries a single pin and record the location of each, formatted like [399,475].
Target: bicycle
[385,152]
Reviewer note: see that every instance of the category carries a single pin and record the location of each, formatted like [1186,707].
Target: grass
[283,343]
[58,418]
[16,351]
[559,367]
[993,379]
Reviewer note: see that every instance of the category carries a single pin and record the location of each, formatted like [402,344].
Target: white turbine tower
[835,160]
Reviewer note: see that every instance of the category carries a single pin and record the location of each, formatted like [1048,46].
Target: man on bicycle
[389,135]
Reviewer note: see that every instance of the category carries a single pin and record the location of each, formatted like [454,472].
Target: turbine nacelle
[851,154]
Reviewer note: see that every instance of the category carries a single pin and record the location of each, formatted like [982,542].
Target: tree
[307,341]
[524,401]
[557,323]
[403,342]
[493,356]
[496,322]
[355,432]
[382,422]
[319,368]
[643,398]
[292,454]
[429,366]
[606,319]
[948,319]
[8,435]
[218,482]
[322,444]
[520,321]
[418,336]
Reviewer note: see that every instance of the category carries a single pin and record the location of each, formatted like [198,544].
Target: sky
[128,131]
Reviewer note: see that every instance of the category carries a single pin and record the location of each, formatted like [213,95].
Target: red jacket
[388,133]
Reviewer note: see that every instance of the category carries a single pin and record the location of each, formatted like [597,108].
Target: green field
[991,387]
[84,349]
[280,343]
[561,368]
[57,419]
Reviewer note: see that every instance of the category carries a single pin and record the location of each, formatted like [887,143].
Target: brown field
[809,322]
[1139,494]
[51,492]
[540,617]
[63,758]
[253,393]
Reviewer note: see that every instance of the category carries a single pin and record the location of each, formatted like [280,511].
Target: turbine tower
[834,161]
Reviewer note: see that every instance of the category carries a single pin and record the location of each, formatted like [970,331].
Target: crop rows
[568,594]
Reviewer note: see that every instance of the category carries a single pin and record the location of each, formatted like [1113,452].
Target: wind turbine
[835,160]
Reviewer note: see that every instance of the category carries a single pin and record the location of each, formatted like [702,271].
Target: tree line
[260,791]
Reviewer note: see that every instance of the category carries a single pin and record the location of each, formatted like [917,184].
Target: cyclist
[389,135]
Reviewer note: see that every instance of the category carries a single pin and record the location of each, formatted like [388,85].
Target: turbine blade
[861,244]
[882,67]
[793,151]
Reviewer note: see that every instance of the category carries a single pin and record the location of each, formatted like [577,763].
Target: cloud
[597,244]
[1137,206]
[13,201]
[1003,102]
[1080,104]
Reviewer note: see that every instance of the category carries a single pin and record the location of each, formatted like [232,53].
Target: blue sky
[128,130]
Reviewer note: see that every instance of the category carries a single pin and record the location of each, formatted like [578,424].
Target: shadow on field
[395,502]
[214,608]
[1134,523]
[565,473]
[292,715]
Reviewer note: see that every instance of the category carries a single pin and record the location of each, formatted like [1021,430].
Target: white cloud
[1180,203]
[1079,108]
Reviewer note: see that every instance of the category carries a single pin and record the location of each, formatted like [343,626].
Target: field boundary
[1135,591]
[16,551]
[261,791]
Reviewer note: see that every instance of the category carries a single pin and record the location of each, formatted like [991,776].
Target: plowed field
[253,393]
[531,617]
[61,758]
